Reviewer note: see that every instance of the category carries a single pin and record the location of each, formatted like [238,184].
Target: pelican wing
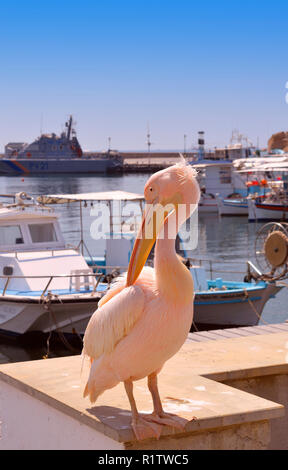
[112,321]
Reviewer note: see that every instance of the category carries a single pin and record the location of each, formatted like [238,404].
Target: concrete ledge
[50,392]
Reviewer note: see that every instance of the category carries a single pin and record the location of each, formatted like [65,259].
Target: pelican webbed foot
[167,419]
[145,429]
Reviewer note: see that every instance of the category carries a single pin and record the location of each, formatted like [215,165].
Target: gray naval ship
[53,154]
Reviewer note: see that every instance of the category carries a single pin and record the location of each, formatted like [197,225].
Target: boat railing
[211,266]
[53,251]
[126,223]
[98,276]
[116,270]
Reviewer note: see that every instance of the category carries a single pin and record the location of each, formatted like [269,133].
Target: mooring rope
[253,306]
[47,305]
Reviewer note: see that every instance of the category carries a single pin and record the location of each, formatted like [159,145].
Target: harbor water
[229,240]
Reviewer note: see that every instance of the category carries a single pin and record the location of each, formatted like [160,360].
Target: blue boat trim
[229,301]
[233,288]
[244,206]
[102,287]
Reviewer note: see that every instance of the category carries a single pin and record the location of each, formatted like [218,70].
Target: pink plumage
[145,318]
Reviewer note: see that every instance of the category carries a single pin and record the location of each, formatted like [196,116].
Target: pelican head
[164,192]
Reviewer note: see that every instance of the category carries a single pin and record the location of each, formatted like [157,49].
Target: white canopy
[101,196]
[280,166]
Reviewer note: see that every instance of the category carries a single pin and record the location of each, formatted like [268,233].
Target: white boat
[217,178]
[44,285]
[207,204]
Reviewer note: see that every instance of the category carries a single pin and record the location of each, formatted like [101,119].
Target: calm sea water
[229,240]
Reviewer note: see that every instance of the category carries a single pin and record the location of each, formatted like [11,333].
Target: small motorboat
[234,205]
[44,284]
[225,304]
[207,204]
[272,207]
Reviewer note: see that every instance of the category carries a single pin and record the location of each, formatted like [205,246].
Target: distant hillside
[278,141]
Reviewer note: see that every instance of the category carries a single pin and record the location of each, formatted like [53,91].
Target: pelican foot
[144,429]
[167,419]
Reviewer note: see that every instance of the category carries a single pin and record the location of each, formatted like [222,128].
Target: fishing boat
[224,304]
[207,204]
[56,154]
[234,205]
[44,284]
[225,184]
[263,183]
[272,206]
[218,179]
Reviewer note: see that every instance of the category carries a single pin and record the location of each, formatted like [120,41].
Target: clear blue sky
[180,65]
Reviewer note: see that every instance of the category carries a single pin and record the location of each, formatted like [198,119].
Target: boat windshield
[10,235]
[42,233]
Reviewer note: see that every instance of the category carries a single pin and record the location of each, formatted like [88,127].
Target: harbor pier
[230,387]
[149,162]
[142,162]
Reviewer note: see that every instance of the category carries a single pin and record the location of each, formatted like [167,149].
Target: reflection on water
[229,239]
[33,348]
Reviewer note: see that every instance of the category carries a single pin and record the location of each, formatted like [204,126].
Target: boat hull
[262,211]
[21,316]
[53,165]
[220,309]
[207,204]
[224,310]
[232,208]
[206,208]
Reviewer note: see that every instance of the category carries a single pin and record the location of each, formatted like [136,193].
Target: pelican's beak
[152,222]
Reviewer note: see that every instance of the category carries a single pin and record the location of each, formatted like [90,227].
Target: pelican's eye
[150,192]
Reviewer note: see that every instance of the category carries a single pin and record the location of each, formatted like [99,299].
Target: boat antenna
[41,124]
[185,137]
[68,124]
[201,144]
[148,137]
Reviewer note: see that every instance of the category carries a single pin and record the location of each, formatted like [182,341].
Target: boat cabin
[32,249]
[220,177]
[29,228]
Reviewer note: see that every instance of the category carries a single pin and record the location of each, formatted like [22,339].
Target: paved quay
[235,387]
[214,335]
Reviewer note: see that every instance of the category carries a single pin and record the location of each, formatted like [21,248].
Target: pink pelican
[144,319]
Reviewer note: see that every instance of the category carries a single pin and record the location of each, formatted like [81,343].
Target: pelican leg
[142,428]
[159,415]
